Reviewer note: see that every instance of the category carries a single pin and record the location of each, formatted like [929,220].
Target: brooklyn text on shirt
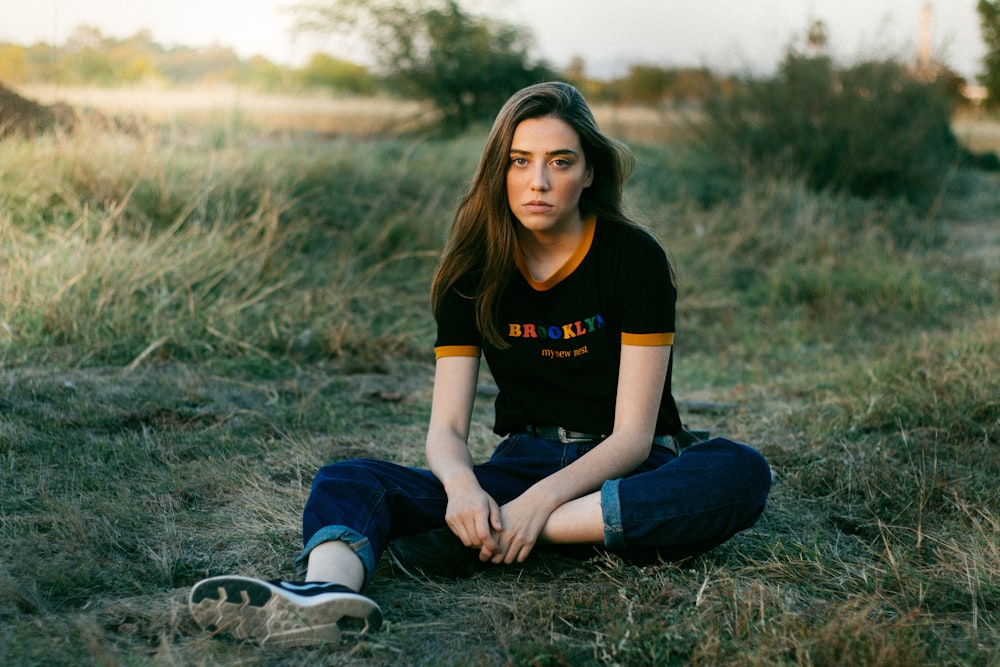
[556,332]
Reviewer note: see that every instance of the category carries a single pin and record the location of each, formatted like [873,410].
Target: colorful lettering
[554,331]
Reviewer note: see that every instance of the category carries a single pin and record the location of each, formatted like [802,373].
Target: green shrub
[871,130]
[324,71]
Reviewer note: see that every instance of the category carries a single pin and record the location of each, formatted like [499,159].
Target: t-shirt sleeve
[457,334]
[648,297]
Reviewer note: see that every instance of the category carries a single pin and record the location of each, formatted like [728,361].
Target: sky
[725,35]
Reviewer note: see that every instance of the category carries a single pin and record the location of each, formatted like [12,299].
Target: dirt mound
[22,117]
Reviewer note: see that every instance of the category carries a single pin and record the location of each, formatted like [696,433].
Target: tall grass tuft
[125,249]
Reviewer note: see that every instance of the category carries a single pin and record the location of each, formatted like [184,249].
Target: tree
[341,75]
[13,63]
[85,57]
[658,86]
[647,84]
[817,38]
[989,21]
[264,74]
[466,66]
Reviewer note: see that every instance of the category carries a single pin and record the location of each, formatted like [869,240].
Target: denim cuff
[611,511]
[354,539]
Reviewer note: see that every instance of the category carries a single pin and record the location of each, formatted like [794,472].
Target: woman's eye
[519,161]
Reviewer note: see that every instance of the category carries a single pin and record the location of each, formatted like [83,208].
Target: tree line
[465,64]
[88,57]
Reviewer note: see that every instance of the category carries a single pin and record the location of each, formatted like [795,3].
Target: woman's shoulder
[467,284]
[624,236]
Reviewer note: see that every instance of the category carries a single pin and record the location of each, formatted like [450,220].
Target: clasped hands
[503,535]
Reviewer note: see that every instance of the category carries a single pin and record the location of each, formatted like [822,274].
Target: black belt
[567,436]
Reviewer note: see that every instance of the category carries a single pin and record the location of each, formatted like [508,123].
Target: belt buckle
[667,442]
[570,437]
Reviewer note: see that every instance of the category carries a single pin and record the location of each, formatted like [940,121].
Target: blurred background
[640,51]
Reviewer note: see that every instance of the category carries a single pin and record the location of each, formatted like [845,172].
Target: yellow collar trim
[571,264]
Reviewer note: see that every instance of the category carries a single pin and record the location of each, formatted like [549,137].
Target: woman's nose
[539,180]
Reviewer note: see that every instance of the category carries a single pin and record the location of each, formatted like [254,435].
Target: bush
[465,65]
[871,130]
[325,71]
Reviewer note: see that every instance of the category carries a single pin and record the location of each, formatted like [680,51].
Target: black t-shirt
[566,332]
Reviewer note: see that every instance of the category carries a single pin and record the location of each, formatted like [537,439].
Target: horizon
[752,36]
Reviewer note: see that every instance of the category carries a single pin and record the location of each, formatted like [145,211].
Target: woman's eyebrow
[558,151]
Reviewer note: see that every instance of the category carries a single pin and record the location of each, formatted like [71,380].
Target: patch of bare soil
[20,116]
[25,118]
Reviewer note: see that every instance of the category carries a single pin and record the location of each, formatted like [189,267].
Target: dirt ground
[24,117]
[20,116]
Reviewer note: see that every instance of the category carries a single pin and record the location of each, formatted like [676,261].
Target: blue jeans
[673,507]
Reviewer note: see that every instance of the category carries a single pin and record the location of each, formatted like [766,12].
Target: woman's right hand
[474,516]
[471,514]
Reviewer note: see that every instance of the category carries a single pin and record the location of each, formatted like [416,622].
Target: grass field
[195,317]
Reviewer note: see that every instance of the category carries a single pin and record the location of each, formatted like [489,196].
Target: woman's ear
[590,176]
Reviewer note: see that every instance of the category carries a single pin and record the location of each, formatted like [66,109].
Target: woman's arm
[641,377]
[471,511]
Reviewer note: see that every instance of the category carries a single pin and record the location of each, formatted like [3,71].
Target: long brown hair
[483,237]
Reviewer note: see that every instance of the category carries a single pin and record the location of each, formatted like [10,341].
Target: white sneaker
[282,613]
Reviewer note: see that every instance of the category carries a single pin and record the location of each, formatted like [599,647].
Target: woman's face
[546,175]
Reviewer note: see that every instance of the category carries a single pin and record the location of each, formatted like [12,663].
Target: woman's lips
[537,207]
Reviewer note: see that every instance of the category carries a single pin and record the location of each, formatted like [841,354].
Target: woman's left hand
[522,519]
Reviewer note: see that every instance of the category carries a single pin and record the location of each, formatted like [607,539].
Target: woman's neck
[546,252]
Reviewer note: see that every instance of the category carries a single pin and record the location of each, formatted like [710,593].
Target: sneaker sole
[252,609]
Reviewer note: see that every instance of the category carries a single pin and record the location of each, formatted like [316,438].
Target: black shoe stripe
[233,591]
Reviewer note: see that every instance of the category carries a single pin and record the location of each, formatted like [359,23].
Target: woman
[572,306]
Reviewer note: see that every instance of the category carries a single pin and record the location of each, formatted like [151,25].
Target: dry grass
[188,330]
[978,131]
[373,116]
[644,125]
[322,114]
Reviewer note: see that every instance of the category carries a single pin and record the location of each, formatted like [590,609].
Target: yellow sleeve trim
[456,351]
[648,340]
